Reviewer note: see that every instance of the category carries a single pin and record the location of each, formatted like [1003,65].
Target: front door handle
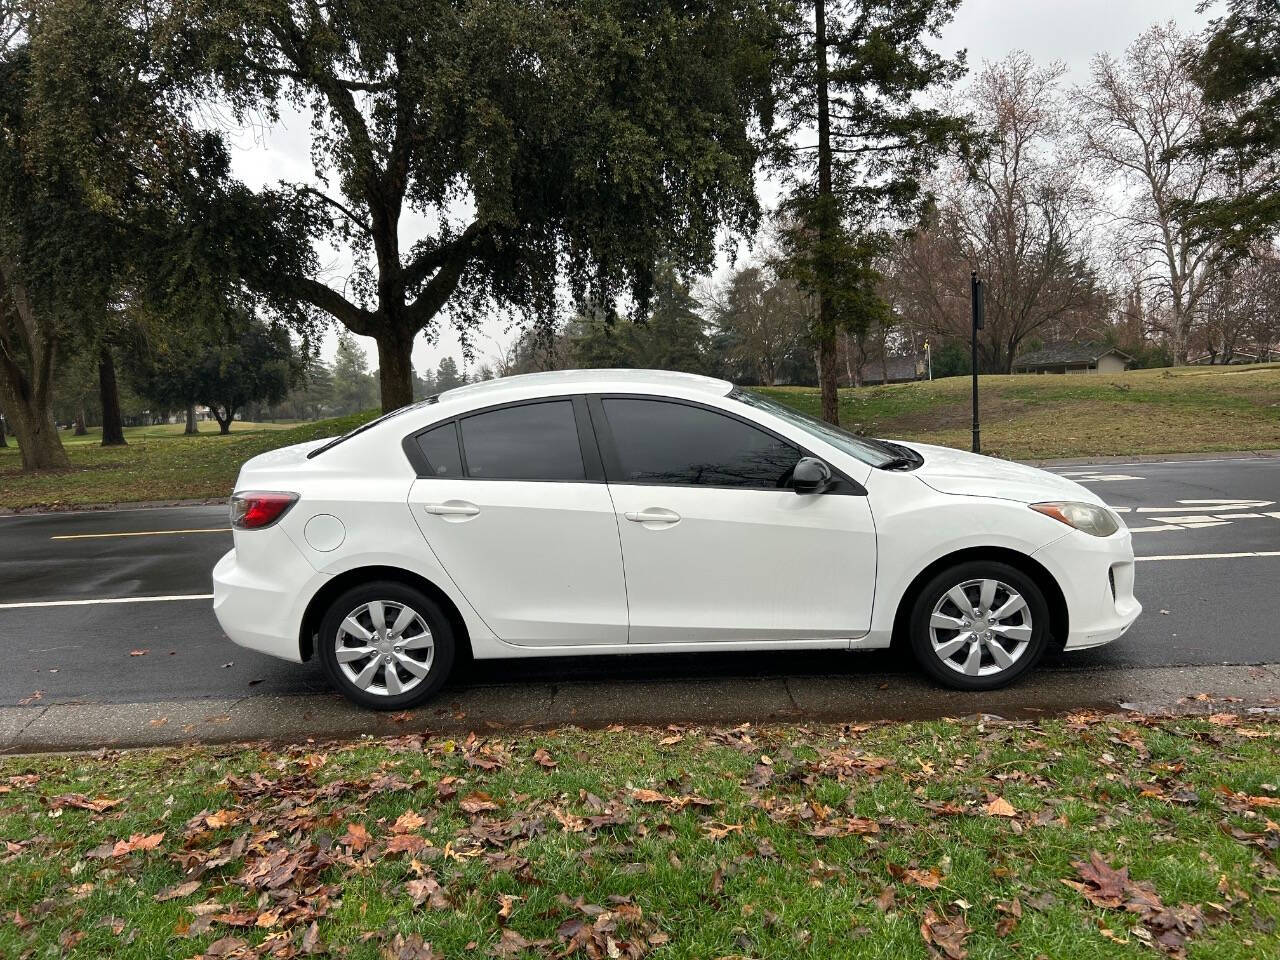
[452,508]
[653,515]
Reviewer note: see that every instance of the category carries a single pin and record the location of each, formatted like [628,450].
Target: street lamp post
[975,296]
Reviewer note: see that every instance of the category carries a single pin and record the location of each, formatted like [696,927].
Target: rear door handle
[452,508]
[653,515]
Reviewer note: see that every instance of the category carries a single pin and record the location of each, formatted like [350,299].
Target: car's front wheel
[386,645]
[979,625]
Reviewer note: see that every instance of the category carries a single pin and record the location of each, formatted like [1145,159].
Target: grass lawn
[1089,837]
[159,463]
[1185,410]
[1028,417]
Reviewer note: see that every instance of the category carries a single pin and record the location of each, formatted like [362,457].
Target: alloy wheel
[384,647]
[980,627]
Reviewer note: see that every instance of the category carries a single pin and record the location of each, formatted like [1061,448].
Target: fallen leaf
[477,802]
[178,891]
[543,759]
[408,821]
[356,837]
[138,653]
[1000,807]
[947,933]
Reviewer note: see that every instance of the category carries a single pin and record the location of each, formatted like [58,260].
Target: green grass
[1182,410]
[167,431]
[1186,410]
[164,465]
[814,842]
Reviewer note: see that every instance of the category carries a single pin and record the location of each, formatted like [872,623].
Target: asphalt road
[1209,531]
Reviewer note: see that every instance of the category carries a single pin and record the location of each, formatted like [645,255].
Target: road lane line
[1212,556]
[137,533]
[86,603]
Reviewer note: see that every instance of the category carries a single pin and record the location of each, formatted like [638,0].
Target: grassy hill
[1184,410]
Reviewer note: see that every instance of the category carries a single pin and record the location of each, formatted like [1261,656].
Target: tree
[353,387]
[1137,117]
[582,139]
[1017,212]
[249,363]
[854,83]
[762,323]
[110,198]
[447,376]
[1238,71]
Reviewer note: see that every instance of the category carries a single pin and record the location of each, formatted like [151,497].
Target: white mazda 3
[625,511]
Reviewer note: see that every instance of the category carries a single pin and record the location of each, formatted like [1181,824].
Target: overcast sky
[1069,30]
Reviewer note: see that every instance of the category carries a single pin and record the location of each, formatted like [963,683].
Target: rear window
[535,441]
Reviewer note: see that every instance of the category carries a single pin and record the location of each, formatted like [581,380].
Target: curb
[1156,458]
[871,697]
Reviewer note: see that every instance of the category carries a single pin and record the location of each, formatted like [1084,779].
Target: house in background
[1087,357]
[892,370]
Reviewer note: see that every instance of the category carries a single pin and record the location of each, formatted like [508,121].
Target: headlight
[1094,520]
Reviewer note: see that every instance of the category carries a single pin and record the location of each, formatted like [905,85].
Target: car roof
[584,381]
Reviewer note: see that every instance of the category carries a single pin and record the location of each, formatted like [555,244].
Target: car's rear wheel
[979,625]
[386,645]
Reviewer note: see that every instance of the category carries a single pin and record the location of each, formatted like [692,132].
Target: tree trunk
[828,371]
[109,391]
[37,437]
[224,418]
[3,441]
[395,370]
[81,429]
[191,428]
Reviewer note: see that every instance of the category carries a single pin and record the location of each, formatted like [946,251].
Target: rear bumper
[1096,577]
[262,609]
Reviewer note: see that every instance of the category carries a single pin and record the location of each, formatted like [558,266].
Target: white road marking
[1099,477]
[1212,556]
[137,533]
[88,603]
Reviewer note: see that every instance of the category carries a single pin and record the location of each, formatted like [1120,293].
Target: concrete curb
[110,507]
[1155,458]
[80,726]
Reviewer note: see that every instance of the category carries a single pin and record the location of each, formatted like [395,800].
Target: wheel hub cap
[384,647]
[980,627]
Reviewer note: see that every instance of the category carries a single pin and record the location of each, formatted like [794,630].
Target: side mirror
[810,476]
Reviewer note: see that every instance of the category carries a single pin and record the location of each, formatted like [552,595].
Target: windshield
[868,451]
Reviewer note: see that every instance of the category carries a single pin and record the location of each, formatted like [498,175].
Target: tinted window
[440,451]
[660,442]
[537,441]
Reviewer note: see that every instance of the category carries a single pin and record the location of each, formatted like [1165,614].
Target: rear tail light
[255,509]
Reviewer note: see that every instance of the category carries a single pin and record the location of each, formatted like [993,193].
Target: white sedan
[624,511]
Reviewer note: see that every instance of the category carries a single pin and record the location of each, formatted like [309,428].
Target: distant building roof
[1058,354]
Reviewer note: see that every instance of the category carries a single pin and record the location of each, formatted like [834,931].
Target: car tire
[1009,638]
[426,646]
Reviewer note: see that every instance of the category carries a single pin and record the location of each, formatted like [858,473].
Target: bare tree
[1136,117]
[1018,214]
[764,319]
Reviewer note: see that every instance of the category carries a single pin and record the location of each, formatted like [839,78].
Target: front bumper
[1096,577]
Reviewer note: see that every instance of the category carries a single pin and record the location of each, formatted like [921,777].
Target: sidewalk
[80,726]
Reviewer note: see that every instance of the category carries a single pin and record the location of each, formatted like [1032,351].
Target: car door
[512,500]
[716,546]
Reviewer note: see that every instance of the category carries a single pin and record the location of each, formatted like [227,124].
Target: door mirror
[810,476]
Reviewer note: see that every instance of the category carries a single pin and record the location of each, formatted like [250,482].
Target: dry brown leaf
[477,802]
[356,837]
[999,807]
[946,932]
